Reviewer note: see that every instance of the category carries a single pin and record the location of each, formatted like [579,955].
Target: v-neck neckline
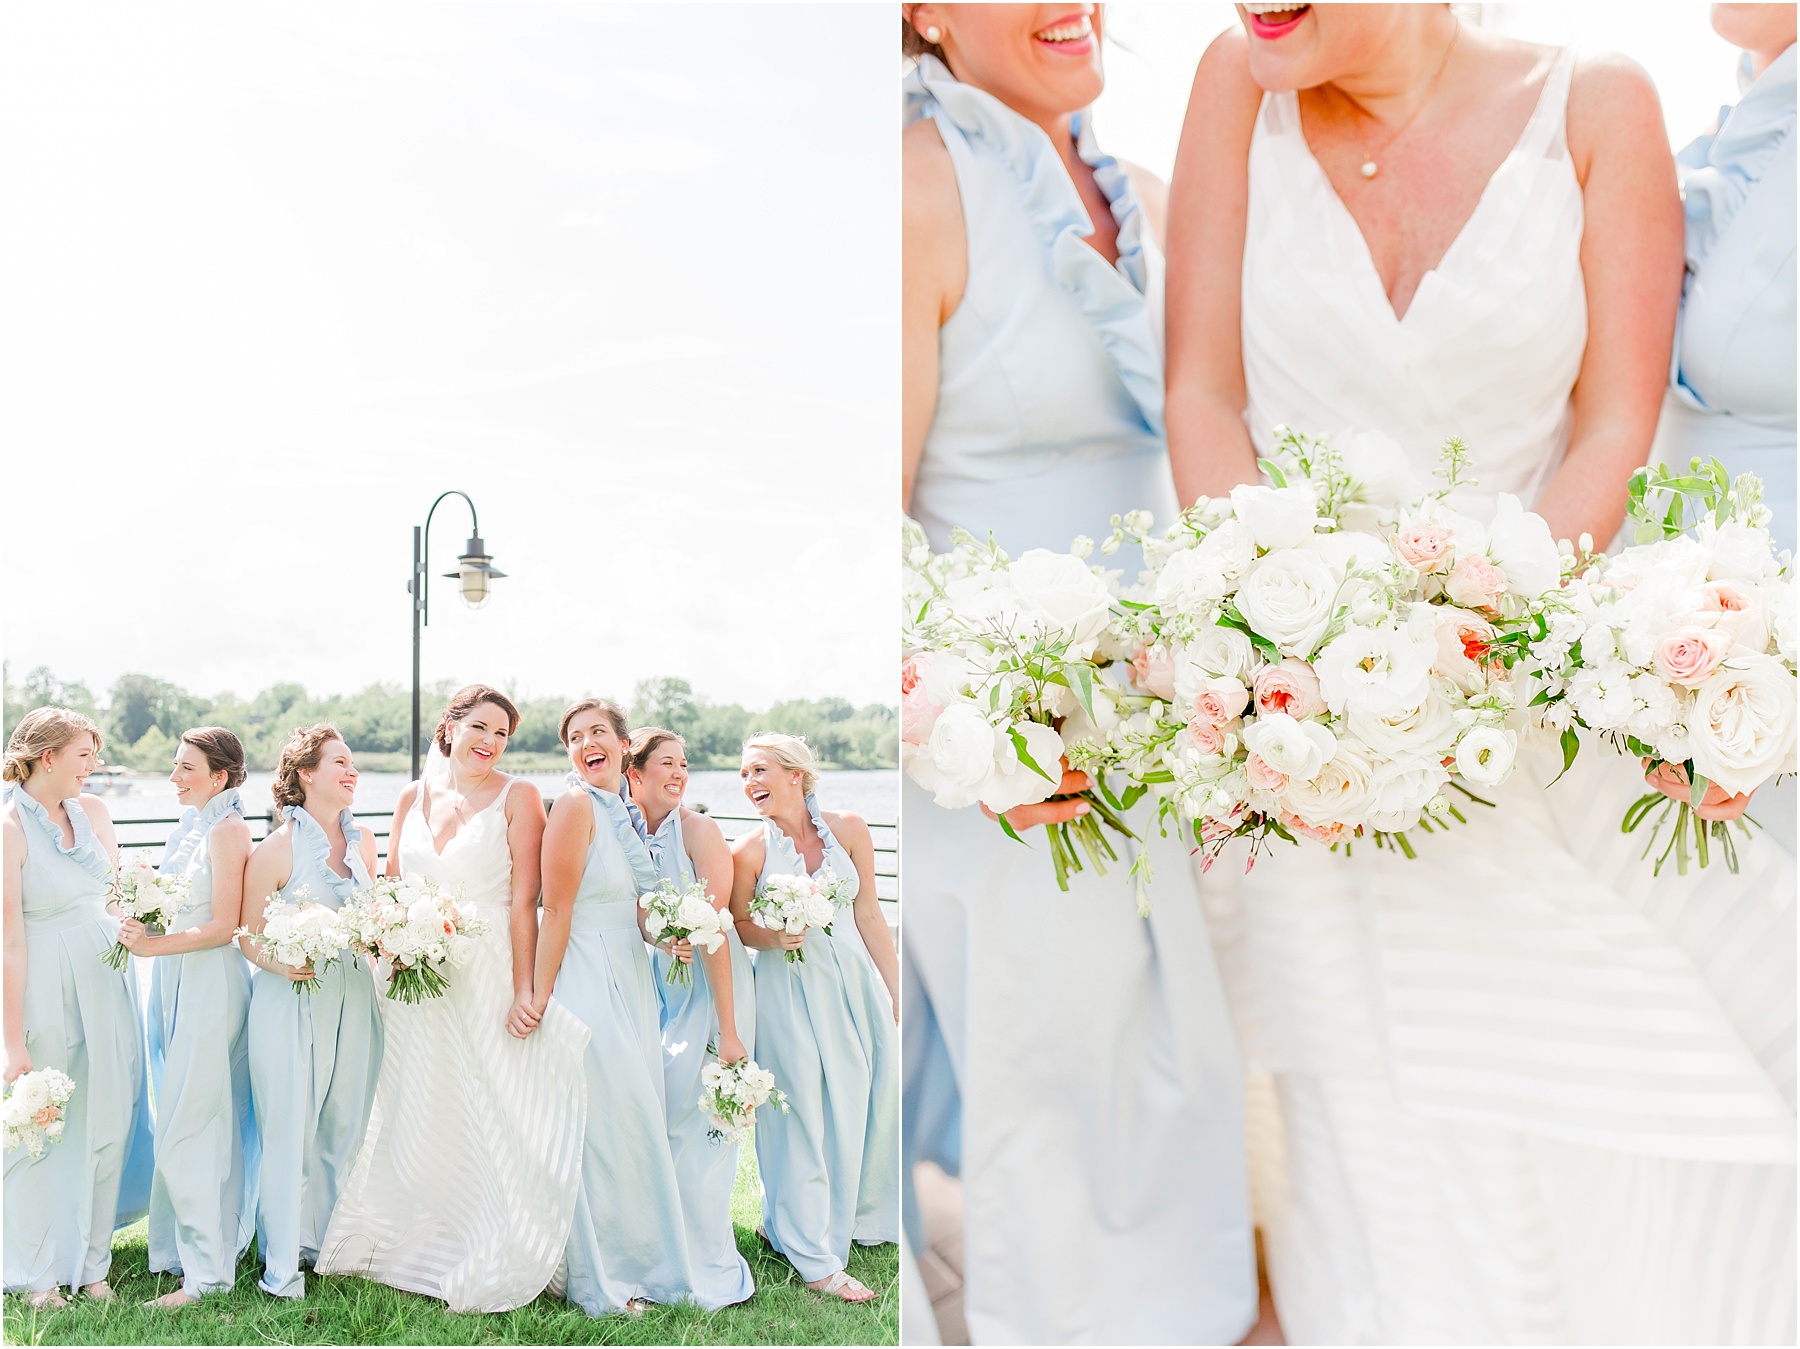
[463,826]
[1371,272]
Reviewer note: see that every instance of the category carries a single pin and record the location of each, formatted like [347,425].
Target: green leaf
[1697,785]
[1008,830]
[1571,746]
[1273,470]
[1081,681]
[1018,739]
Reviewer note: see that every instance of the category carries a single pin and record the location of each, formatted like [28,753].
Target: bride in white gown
[464,1188]
[1515,1091]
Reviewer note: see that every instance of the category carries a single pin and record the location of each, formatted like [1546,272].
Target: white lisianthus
[1519,543]
[1485,755]
[1289,597]
[1063,591]
[1277,517]
[1379,671]
[1298,750]
[1742,723]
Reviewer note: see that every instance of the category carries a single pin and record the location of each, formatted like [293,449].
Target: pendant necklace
[1369,165]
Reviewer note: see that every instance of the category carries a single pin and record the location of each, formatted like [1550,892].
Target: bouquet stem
[1083,836]
[680,972]
[416,984]
[117,957]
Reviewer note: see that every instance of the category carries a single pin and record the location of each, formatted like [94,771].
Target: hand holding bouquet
[730,1095]
[303,935]
[682,915]
[152,899]
[32,1115]
[416,929]
[794,904]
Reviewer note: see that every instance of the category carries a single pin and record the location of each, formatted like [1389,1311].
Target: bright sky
[272,276]
[1152,50]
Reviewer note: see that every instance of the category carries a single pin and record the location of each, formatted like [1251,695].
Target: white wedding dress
[464,1188]
[1514,1091]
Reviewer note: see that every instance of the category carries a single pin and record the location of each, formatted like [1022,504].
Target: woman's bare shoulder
[928,194]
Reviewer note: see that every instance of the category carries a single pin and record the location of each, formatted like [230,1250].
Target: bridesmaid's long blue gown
[705,1170]
[314,1061]
[203,1198]
[80,1016]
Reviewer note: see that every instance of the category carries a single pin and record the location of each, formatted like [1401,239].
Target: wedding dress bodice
[477,859]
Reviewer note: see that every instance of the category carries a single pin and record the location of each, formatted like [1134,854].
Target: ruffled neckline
[318,845]
[224,803]
[628,827]
[1720,170]
[665,840]
[776,839]
[1111,298]
[85,852]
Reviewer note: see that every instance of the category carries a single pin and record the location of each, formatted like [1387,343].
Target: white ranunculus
[1299,749]
[1485,754]
[1399,790]
[1215,653]
[962,748]
[1289,597]
[1377,671]
[1426,728]
[1742,723]
[1519,543]
[1277,517]
[1340,794]
[1011,783]
[1381,476]
[1190,581]
[1064,590]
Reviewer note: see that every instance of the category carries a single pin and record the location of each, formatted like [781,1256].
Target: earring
[933,34]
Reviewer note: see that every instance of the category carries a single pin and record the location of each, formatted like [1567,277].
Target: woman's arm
[525,840]
[228,849]
[934,267]
[1631,263]
[18,1058]
[402,808]
[1209,202]
[271,864]
[746,870]
[566,840]
[711,856]
[871,923]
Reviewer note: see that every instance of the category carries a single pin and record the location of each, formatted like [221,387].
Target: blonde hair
[41,731]
[305,748]
[791,752]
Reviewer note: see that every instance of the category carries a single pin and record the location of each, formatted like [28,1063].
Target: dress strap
[1546,134]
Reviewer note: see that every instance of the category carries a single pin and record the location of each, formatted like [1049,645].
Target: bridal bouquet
[1682,650]
[794,903]
[300,934]
[1000,656]
[417,929]
[32,1114]
[682,915]
[730,1094]
[139,892]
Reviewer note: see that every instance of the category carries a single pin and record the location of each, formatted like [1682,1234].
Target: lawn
[353,1311]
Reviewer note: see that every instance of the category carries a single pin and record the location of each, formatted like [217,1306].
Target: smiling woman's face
[595,749]
[1040,60]
[333,783]
[770,788]
[195,784]
[1294,46]
[479,739]
[663,779]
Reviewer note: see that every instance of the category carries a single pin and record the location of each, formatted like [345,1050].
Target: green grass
[349,1310]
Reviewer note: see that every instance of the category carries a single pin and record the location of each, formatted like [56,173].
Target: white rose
[1736,552]
[1742,723]
[1378,671]
[1215,653]
[1277,517]
[1064,590]
[1340,794]
[1190,581]
[1427,728]
[1289,597]
[1230,546]
[1519,543]
[1484,756]
[1298,749]
[1399,790]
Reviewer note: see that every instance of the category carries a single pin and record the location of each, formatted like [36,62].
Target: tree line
[142,717]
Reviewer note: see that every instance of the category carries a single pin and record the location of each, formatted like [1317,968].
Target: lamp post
[474,571]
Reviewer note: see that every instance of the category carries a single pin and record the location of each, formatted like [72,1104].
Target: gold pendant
[1369,168]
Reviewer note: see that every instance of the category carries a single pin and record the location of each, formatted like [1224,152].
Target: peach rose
[1476,582]
[1317,833]
[1154,672]
[1264,778]
[918,714]
[1289,687]
[1425,544]
[1689,654]
[1735,611]
[1208,737]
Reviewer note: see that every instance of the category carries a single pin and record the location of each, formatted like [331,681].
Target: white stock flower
[1289,597]
[1277,517]
[1742,723]
[1380,671]
[1297,749]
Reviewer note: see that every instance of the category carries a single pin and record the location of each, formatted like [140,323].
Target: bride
[1515,1090]
[465,1185]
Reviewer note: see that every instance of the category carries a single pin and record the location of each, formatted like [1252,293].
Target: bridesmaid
[826,1027]
[314,1055]
[202,1200]
[627,1248]
[717,1009]
[65,1008]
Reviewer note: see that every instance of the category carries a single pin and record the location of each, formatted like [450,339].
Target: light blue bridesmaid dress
[203,1197]
[704,1170]
[825,1028]
[314,1061]
[1074,1063]
[628,1240]
[82,1017]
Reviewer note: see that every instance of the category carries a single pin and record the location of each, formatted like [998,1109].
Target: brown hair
[791,752]
[464,701]
[223,751]
[42,731]
[305,748]
[912,41]
[644,742]
[605,706]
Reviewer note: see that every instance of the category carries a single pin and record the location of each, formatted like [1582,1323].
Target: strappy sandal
[844,1288]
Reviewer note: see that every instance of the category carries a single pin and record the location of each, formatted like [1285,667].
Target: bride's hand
[1053,811]
[523,1017]
[1718,804]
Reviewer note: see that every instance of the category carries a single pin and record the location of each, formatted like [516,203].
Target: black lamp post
[474,571]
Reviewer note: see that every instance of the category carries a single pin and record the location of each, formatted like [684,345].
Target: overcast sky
[274,275]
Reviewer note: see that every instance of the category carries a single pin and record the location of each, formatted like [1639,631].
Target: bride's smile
[1275,20]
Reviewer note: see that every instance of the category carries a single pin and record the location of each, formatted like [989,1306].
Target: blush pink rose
[1208,737]
[1289,687]
[1424,544]
[1153,672]
[1475,582]
[1221,701]
[1264,778]
[918,714]
[1688,655]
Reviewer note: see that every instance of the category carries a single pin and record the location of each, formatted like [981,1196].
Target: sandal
[844,1288]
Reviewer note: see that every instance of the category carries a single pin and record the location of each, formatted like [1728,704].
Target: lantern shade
[474,571]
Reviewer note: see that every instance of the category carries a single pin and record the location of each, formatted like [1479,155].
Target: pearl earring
[933,34]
